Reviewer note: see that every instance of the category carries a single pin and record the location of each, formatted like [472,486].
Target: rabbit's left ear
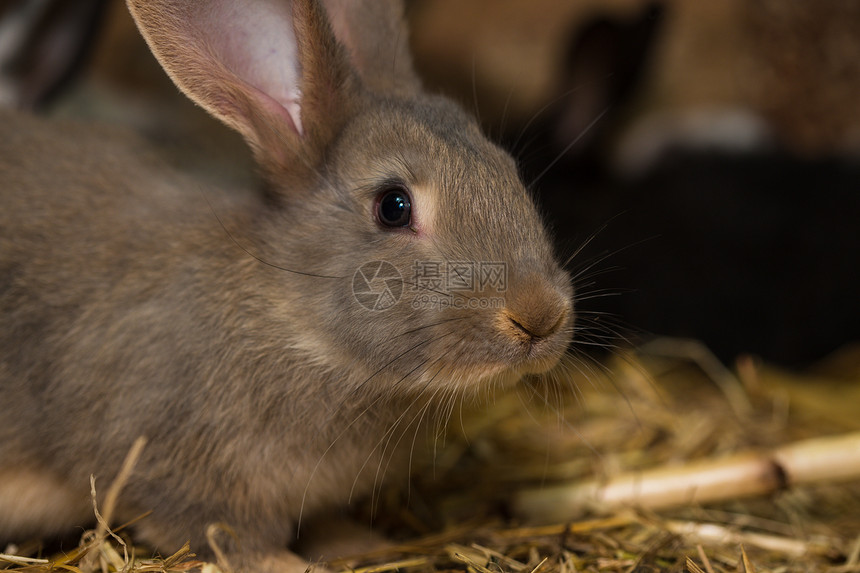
[271,69]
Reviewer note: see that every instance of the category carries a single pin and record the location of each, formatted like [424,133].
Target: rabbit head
[421,259]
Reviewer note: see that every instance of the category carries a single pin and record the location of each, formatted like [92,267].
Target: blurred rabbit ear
[43,46]
[376,37]
[271,69]
[606,62]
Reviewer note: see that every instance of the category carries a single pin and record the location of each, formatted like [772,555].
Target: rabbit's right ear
[271,69]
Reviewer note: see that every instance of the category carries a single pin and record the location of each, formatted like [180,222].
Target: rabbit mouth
[515,345]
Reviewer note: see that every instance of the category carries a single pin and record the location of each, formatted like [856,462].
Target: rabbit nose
[535,309]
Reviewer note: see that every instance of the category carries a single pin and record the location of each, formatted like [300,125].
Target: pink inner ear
[255,40]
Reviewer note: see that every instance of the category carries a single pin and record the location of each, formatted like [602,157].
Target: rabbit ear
[375,34]
[271,69]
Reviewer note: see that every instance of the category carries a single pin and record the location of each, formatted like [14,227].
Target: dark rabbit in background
[242,332]
[706,224]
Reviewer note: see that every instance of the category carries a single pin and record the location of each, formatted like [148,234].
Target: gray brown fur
[129,309]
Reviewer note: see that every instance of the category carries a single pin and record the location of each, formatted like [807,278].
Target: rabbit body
[222,324]
[90,360]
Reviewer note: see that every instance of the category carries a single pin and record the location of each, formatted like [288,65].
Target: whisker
[355,420]
[549,105]
[587,241]
[388,435]
[569,146]
[475,89]
[385,439]
[504,117]
[566,424]
[409,350]
[385,435]
[599,293]
[431,325]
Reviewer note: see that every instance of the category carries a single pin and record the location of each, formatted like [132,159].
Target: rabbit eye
[394,207]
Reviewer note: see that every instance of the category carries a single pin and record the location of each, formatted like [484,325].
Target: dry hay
[667,414]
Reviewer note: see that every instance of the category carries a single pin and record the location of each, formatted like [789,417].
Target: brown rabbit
[274,346]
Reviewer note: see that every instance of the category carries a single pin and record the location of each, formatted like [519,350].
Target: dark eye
[393,207]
